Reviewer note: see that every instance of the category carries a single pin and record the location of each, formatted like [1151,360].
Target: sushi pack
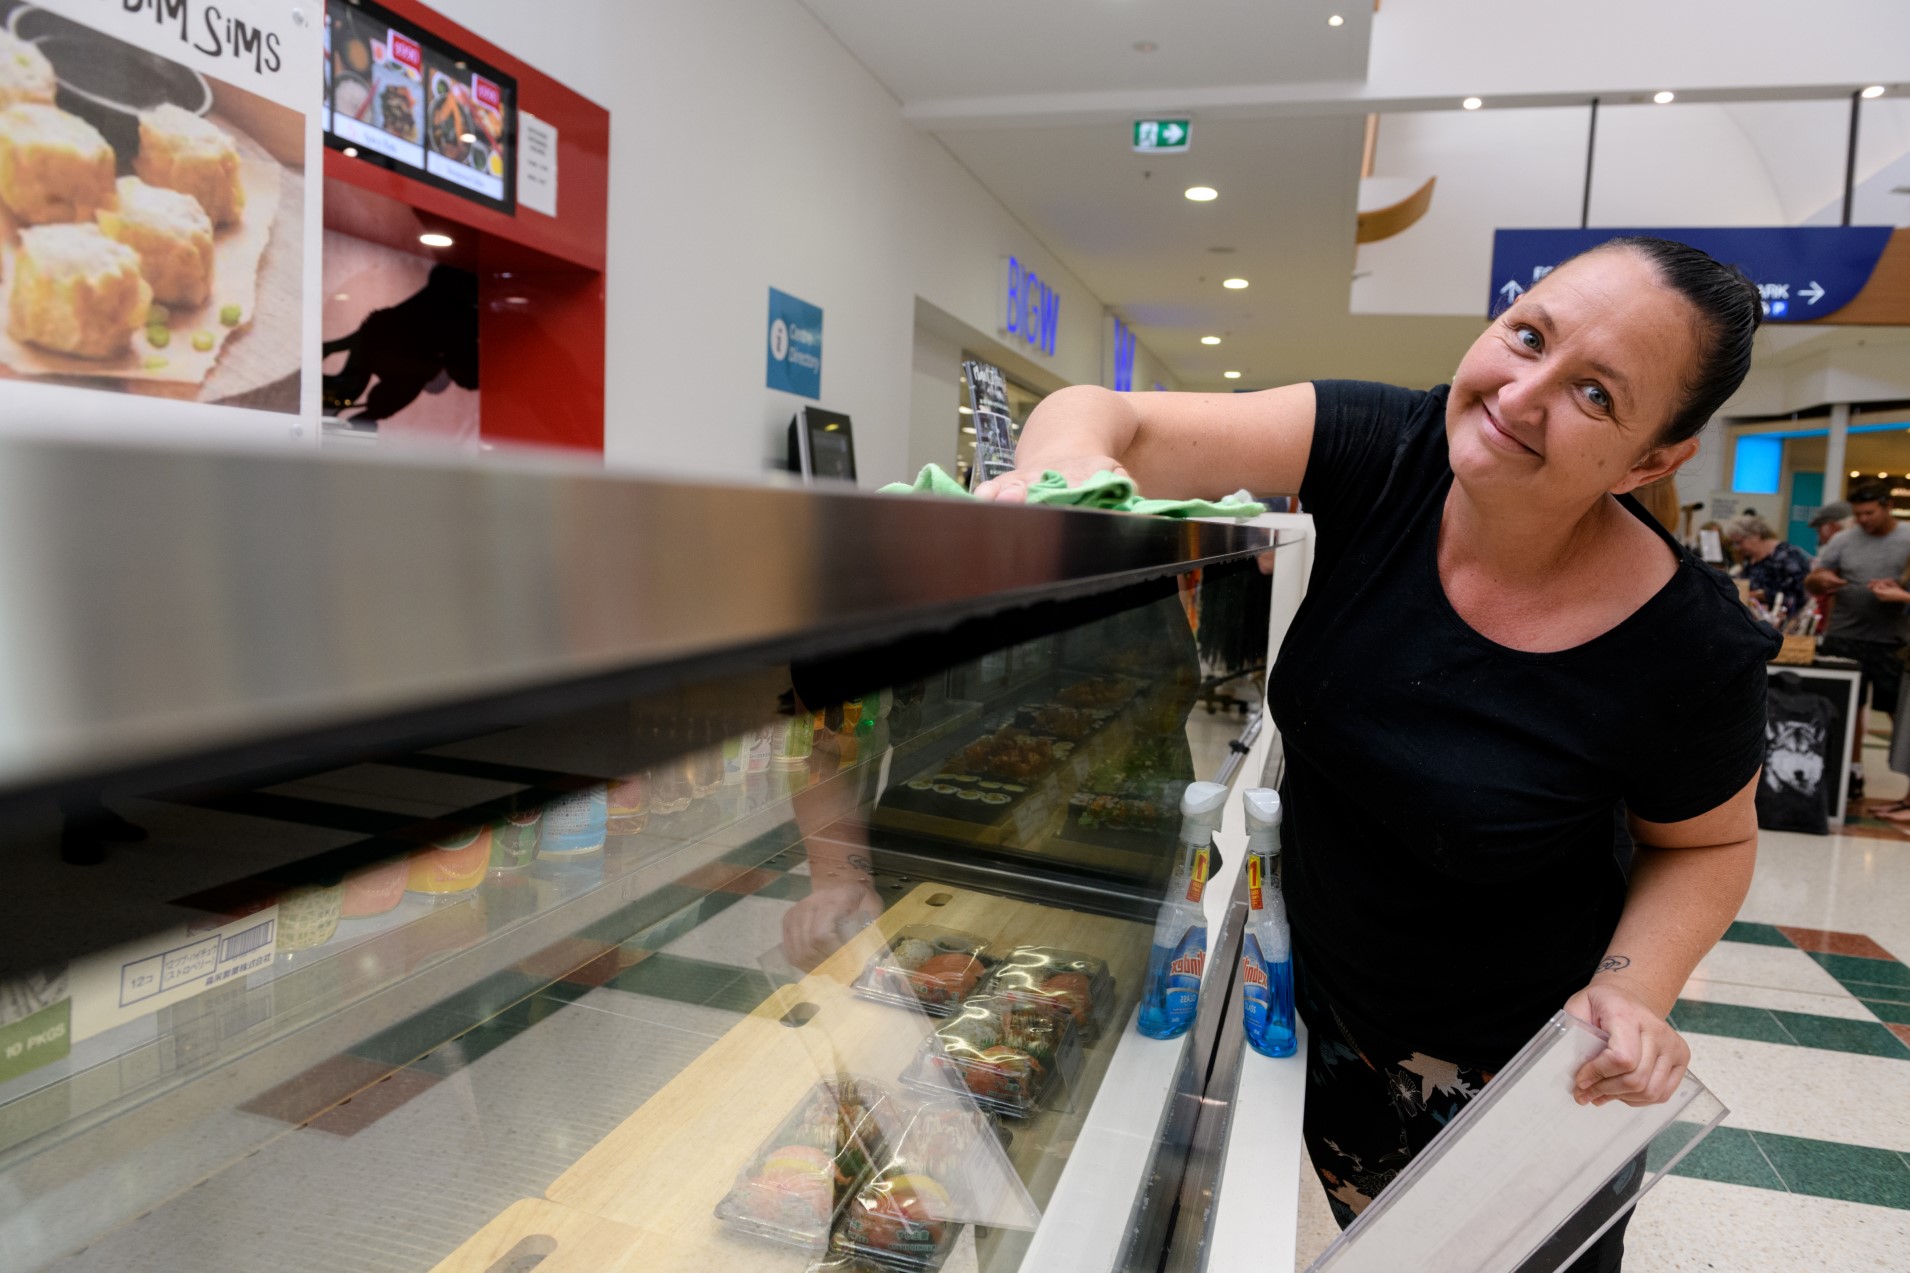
[1079,985]
[910,1212]
[795,1186]
[1010,1055]
[928,968]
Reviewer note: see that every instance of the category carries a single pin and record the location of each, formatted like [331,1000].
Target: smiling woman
[1565,707]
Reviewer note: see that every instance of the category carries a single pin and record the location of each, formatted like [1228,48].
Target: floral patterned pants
[1372,1105]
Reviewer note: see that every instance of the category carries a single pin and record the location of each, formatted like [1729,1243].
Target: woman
[1524,667]
[1775,568]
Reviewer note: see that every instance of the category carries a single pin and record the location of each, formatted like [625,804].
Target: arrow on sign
[1172,134]
[1511,290]
[1814,293]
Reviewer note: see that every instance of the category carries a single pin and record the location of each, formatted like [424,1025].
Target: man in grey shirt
[1874,548]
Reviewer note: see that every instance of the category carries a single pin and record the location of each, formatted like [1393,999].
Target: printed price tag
[129,982]
[1198,884]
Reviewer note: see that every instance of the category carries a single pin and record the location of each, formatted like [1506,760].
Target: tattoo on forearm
[859,863]
[1614,963]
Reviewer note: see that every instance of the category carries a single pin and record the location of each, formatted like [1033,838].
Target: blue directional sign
[795,345]
[1803,272]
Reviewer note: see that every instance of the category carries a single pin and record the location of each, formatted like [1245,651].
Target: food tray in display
[1008,1056]
[1078,984]
[1121,821]
[909,1214]
[1106,691]
[961,796]
[794,1187]
[926,968]
[1061,722]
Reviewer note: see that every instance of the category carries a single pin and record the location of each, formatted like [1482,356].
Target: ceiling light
[469,139]
[968,428]
[1335,21]
[1146,46]
[1472,103]
[1210,340]
[1875,90]
[351,152]
[1231,375]
[971,411]
[1663,96]
[436,240]
[1855,473]
[1883,475]
[1202,194]
[1234,283]
[341,296]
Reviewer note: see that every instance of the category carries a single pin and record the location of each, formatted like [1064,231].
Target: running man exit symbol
[1156,136]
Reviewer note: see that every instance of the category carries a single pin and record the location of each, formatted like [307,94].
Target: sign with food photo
[400,98]
[154,214]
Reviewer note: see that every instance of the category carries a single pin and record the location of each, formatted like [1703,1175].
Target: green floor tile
[1850,1173]
[1729,1157]
[1756,935]
[1834,1034]
[786,888]
[411,1038]
[455,1054]
[695,981]
[1731,1020]
[1854,969]
[1838,1034]
[492,995]
[743,995]
[1887,1010]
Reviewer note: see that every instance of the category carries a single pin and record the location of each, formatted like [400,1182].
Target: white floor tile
[1774,1087]
[1768,967]
[1698,1226]
[1841,1004]
[712,1023]
[741,936]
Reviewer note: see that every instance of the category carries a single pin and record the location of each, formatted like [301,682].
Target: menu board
[402,99]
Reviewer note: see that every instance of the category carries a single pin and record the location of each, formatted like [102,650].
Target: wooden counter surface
[562,1241]
[664,1169]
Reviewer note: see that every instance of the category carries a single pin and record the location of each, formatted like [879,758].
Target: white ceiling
[923,50]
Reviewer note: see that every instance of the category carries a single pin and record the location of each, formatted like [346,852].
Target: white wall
[750,151]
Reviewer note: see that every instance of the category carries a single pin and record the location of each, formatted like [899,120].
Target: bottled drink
[1266,958]
[1171,993]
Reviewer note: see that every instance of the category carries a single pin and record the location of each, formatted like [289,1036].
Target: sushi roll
[911,953]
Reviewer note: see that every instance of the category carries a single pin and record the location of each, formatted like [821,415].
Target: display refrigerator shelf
[398,607]
[103,1100]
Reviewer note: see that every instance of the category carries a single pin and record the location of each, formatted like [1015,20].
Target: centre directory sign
[399,97]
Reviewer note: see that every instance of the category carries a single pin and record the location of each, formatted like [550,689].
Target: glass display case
[578,878]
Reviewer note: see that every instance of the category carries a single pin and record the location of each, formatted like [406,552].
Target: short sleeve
[1833,555]
[1358,430]
[1708,747]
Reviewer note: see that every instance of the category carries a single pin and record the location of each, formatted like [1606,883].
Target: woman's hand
[1012,488]
[817,926]
[1644,1060]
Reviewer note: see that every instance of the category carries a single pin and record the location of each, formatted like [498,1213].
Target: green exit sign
[1154,136]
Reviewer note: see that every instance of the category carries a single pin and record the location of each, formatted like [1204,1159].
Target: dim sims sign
[1031,309]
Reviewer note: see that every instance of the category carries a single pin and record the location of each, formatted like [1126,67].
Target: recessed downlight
[1875,90]
[1472,103]
[1202,194]
[351,152]
[436,240]
[1234,284]
[1231,375]
[971,411]
[1210,340]
[1335,21]
[1664,97]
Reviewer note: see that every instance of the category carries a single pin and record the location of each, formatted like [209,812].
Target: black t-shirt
[1454,807]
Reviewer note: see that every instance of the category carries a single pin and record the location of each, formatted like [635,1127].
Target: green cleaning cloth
[1104,490]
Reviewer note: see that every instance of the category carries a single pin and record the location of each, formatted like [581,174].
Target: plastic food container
[1078,984]
[1007,1054]
[911,1210]
[375,889]
[925,967]
[453,865]
[796,1184]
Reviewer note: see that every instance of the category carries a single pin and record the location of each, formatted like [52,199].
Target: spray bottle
[1171,993]
[1266,957]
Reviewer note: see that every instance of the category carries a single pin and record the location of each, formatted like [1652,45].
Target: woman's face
[1564,395]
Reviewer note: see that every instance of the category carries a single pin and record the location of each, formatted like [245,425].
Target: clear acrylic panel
[1525,1178]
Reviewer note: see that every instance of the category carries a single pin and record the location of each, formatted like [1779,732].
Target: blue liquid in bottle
[1170,995]
[1266,957]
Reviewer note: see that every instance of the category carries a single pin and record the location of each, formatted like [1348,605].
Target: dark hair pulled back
[1729,311]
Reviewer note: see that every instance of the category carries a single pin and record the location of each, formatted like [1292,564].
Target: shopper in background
[1828,520]
[1864,626]
[1775,568]
[1897,591]
[1497,637]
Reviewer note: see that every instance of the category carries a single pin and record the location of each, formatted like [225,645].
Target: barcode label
[244,943]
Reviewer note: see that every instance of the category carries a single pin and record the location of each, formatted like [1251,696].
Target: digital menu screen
[404,100]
